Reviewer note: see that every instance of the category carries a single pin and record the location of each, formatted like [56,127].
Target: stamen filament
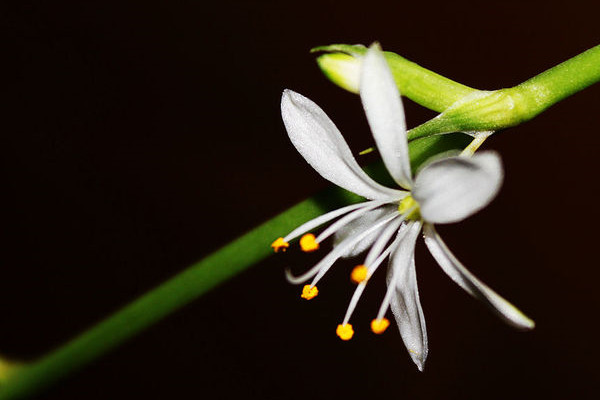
[347,244]
[333,228]
[383,239]
[385,304]
[320,220]
[478,139]
[354,301]
[372,268]
[323,266]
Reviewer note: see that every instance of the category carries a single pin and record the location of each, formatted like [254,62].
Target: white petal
[359,225]
[465,279]
[383,107]
[321,144]
[405,302]
[451,189]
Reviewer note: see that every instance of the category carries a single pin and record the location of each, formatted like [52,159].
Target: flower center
[410,208]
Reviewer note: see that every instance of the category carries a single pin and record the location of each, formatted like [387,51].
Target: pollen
[379,326]
[345,331]
[280,245]
[308,243]
[359,274]
[309,292]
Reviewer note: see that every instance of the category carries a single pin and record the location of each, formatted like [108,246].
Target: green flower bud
[342,69]
[341,64]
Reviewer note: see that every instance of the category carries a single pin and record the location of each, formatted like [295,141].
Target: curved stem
[193,282]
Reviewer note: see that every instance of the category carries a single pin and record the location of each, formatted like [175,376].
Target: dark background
[140,136]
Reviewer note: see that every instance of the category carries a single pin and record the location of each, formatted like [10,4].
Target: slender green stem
[223,264]
[562,81]
[161,301]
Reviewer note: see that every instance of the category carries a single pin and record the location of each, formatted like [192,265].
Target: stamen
[383,239]
[308,243]
[409,232]
[280,244]
[323,266]
[371,270]
[320,220]
[347,244]
[478,139]
[309,292]
[345,331]
[379,326]
[359,274]
[337,225]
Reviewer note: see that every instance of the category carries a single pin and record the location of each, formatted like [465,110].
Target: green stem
[166,298]
[562,81]
[20,380]
[464,109]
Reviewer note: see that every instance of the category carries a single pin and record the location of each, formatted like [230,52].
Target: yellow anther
[309,292]
[359,274]
[280,244]
[345,331]
[379,325]
[410,208]
[308,243]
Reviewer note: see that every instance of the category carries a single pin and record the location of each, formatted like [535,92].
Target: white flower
[444,191]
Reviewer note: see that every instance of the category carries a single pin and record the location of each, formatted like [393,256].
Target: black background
[139,136]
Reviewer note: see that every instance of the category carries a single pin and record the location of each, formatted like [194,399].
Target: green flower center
[410,208]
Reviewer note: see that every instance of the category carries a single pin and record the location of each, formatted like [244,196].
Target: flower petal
[383,107]
[465,279]
[405,304]
[358,225]
[451,189]
[321,144]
